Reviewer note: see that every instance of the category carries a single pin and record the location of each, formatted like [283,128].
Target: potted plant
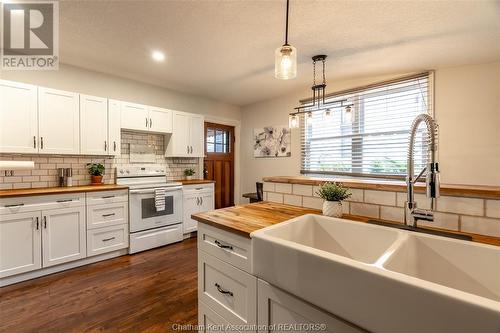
[96,170]
[333,194]
[189,173]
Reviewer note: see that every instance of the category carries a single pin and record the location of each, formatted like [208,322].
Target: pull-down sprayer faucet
[412,213]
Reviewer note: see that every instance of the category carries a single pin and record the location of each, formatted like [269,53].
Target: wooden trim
[370,86]
[476,191]
[59,190]
[194,181]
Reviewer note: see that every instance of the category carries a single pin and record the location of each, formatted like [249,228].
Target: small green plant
[95,169]
[333,192]
[189,172]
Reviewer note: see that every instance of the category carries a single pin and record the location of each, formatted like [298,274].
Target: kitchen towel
[160,199]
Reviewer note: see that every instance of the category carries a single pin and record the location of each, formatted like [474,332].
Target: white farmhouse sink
[384,280]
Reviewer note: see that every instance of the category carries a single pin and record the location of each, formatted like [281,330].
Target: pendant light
[285,57]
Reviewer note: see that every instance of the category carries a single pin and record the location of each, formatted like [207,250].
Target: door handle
[37,223]
[150,123]
[223,291]
[114,145]
[191,149]
[34,141]
[146,122]
[222,246]
[45,222]
[41,142]
[105,145]
[187,149]
[201,199]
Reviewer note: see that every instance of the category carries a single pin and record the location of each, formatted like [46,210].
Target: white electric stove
[149,226]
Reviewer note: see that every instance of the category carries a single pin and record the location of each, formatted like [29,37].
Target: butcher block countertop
[59,190]
[194,181]
[245,219]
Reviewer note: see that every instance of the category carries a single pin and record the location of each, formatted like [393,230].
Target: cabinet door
[20,243]
[178,145]
[18,118]
[63,235]
[196,136]
[191,205]
[206,201]
[59,129]
[280,309]
[93,125]
[114,127]
[160,120]
[135,117]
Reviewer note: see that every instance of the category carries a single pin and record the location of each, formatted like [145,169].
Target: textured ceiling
[225,49]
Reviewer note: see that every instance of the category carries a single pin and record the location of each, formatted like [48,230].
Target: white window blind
[372,139]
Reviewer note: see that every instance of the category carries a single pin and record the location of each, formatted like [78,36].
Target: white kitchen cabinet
[196,199]
[18,117]
[20,243]
[187,135]
[210,321]
[63,235]
[114,127]
[135,117]
[277,308]
[160,120]
[93,125]
[59,121]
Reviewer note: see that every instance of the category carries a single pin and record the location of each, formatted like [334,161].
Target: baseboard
[59,268]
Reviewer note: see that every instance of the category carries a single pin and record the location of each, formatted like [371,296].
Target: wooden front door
[219,162]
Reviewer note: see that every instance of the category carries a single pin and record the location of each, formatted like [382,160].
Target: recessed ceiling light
[158,56]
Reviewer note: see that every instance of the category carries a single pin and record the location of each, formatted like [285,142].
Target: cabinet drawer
[227,290]
[99,216]
[187,189]
[107,239]
[226,246]
[41,202]
[210,321]
[104,197]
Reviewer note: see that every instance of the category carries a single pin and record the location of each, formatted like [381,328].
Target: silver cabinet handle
[146,121]
[114,145]
[187,149]
[201,198]
[191,149]
[108,215]
[223,291]
[41,142]
[108,196]
[197,201]
[150,123]
[105,145]
[37,223]
[14,205]
[45,222]
[222,246]
[65,200]
[108,239]
[34,141]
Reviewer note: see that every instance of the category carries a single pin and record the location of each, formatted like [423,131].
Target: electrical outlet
[9,173]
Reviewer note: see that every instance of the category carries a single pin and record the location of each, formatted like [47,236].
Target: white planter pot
[189,177]
[332,208]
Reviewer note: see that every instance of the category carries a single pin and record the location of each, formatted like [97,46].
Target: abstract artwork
[271,141]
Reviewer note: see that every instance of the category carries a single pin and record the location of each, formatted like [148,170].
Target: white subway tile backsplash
[392,213]
[299,189]
[283,188]
[443,221]
[363,209]
[269,187]
[480,225]
[357,195]
[312,202]
[493,208]
[345,207]
[295,200]
[380,197]
[421,200]
[275,197]
[460,205]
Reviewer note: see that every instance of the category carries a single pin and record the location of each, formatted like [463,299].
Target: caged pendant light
[285,56]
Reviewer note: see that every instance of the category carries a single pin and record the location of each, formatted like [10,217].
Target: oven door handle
[169,189]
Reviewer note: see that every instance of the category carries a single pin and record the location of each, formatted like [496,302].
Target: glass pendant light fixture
[293,121]
[285,56]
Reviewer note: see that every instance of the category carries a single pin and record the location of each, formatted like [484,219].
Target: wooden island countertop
[59,190]
[247,218]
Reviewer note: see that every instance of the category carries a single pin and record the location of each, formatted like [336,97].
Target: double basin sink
[383,279]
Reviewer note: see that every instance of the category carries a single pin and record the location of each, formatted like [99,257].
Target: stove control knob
[128,171]
[121,171]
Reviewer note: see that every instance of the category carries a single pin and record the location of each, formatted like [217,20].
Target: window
[372,139]
[218,141]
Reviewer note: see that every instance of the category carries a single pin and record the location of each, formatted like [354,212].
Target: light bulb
[327,114]
[285,62]
[309,117]
[348,115]
[293,121]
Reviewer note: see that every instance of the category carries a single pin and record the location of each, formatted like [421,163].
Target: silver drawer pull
[108,239]
[222,246]
[108,215]
[14,205]
[108,197]
[65,200]
[222,291]
[199,188]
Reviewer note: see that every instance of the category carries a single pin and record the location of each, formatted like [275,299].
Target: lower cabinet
[63,235]
[20,243]
[210,321]
[107,239]
[197,198]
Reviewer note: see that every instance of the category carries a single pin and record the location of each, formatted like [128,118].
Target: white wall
[467,104]
[99,84]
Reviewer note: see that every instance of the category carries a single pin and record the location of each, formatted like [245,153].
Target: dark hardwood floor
[145,292]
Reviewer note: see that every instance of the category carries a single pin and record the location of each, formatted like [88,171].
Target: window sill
[476,191]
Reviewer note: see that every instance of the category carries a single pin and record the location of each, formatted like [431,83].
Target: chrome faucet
[412,213]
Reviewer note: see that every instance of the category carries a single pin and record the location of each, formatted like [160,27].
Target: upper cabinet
[114,127]
[18,118]
[140,117]
[93,125]
[187,137]
[58,121]
[160,120]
